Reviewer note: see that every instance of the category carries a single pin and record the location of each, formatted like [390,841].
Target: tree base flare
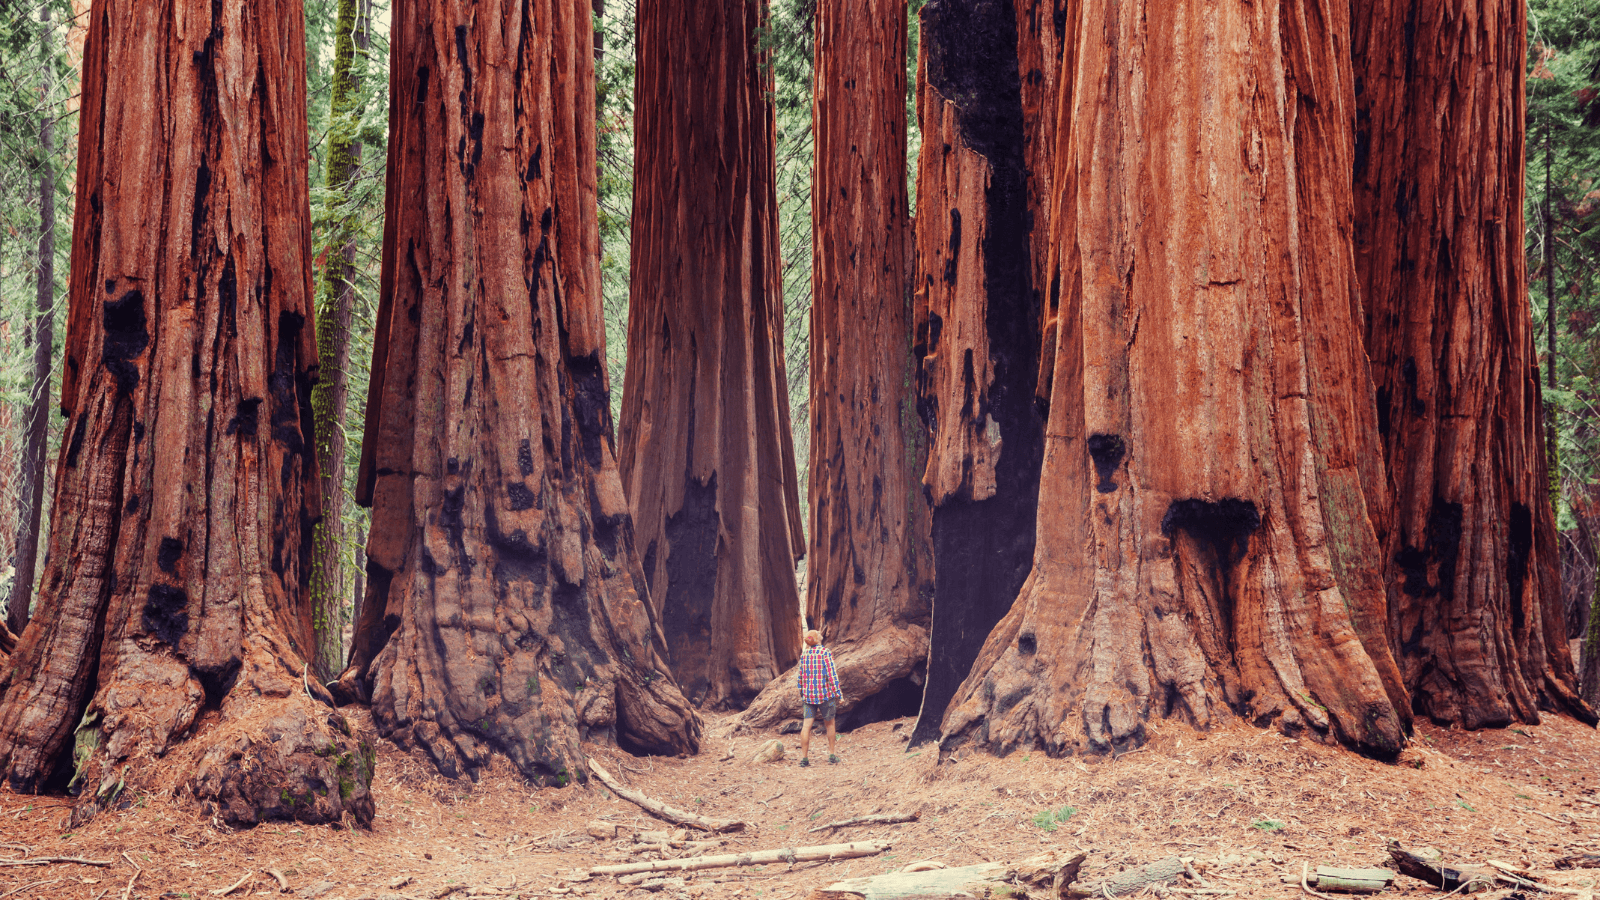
[271,750]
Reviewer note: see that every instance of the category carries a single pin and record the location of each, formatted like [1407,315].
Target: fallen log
[1046,877]
[1352,881]
[786,854]
[1131,881]
[1445,878]
[884,819]
[661,810]
[1578,861]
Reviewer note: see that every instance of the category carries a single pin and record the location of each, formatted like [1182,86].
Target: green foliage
[1050,820]
[1268,825]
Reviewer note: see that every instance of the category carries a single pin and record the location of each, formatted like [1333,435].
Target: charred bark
[868,580]
[1203,544]
[505,609]
[977,333]
[707,455]
[172,619]
[1473,567]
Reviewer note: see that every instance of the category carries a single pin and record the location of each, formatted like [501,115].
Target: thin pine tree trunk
[41,334]
[336,297]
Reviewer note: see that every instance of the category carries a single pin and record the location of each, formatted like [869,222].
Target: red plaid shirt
[819,680]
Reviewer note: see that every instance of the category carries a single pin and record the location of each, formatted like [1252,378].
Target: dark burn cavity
[1225,525]
[1107,451]
[167,556]
[166,613]
[126,338]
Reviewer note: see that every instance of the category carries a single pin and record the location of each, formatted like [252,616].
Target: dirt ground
[1249,807]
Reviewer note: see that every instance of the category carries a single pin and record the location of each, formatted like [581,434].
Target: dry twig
[49,860]
[884,819]
[662,810]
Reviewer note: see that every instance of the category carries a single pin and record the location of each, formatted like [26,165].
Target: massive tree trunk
[172,621]
[335,299]
[1041,28]
[1203,544]
[1473,572]
[707,454]
[505,608]
[41,335]
[869,574]
[977,332]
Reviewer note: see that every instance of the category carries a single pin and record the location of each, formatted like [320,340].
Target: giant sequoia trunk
[1473,568]
[707,456]
[869,573]
[172,619]
[1041,28]
[505,609]
[1203,544]
[977,324]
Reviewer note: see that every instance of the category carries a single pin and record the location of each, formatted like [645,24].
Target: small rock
[603,830]
[318,889]
[790,727]
[771,751]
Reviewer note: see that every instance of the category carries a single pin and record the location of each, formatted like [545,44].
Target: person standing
[819,693]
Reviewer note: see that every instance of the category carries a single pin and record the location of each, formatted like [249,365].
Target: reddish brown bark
[1203,545]
[977,324]
[1473,572]
[1041,28]
[707,455]
[869,575]
[505,610]
[172,618]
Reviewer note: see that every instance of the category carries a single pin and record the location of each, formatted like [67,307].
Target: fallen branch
[33,884]
[884,819]
[1579,861]
[1440,876]
[787,854]
[223,892]
[49,860]
[661,810]
[127,892]
[1519,878]
[283,883]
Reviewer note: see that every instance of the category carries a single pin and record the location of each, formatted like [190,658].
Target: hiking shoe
[833,759]
[804,762]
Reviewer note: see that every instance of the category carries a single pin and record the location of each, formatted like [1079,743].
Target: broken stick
[661,810]
[884,819]
[50,860]
[786,854]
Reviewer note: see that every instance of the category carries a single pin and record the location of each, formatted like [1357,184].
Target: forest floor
[1249,806]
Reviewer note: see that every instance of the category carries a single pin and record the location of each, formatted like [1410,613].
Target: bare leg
[830,737]
[805,738]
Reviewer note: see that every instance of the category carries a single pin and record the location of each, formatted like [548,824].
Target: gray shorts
[825,710]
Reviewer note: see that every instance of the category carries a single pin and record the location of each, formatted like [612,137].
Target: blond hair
[813,638]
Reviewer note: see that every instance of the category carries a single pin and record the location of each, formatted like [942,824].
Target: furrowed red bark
[869,575]
[1041,28]
[505,610]
[707,455]
[1473,572]
[1203,545]
[977,333]
[172,620]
